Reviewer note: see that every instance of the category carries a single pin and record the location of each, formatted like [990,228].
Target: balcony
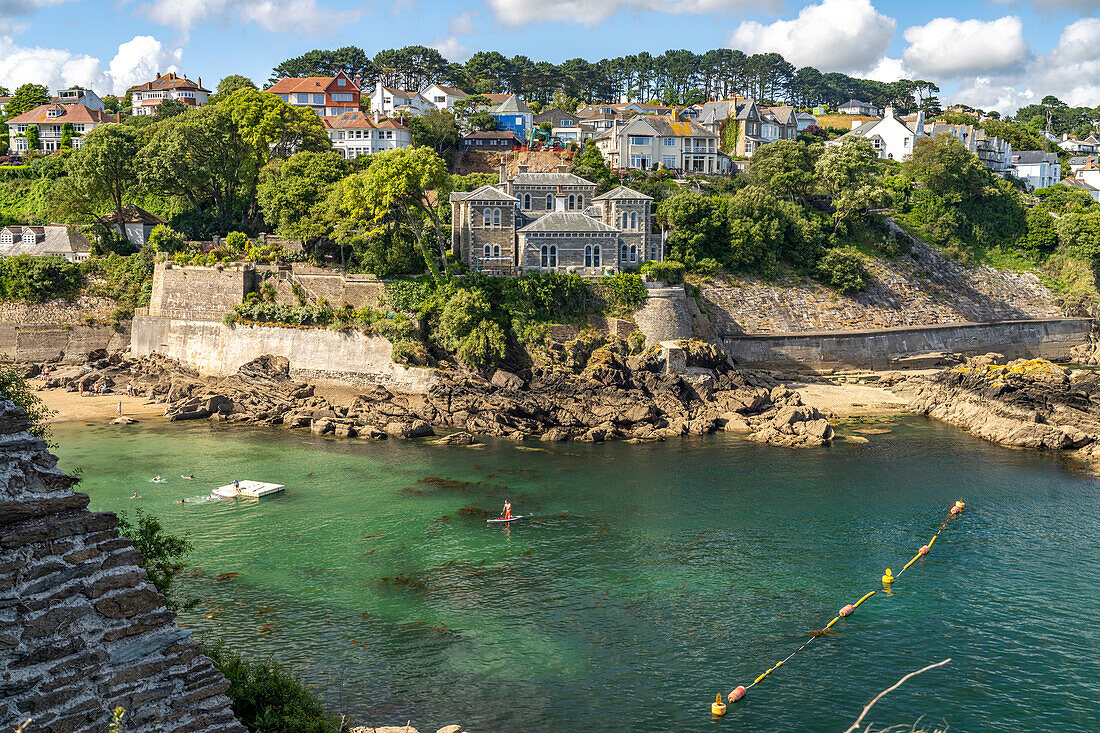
[701,150]
[494,265]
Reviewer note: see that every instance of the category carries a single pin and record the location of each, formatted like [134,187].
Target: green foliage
[268,698]
[548,296]
[407,296]
[786,168]
[26,98]
[294,193]
[67,135]
[31,135]
[161,553]
[127,279]
[670,272]
[164,238]
[232,83]
[436,130]
[484,346]
[462,313]
[1042,235]
[844,269]
[591,166]
[99,175]
[1079,232]
[32,279]
[237,242]
[623,293]
[259,311]
[700,226]
[16,389]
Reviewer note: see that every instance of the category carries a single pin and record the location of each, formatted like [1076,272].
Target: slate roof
[1079,160]
[567,221]
[453,91]
[622,192]
[717,111]
[1077,183]
[666,126]
[132,214]
[50,240]
[491,135]
[550,179]
[485,193]
[1033,157]
[512,105]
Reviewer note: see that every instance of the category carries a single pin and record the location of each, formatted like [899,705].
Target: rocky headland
[579,391]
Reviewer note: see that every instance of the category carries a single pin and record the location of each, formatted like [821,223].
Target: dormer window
[28,237]
[5,238]
[341,82]
[54,112]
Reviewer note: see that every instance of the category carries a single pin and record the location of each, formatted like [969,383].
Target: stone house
[41,241]
[737,122]
[552,222]
[137,223]
[672,142]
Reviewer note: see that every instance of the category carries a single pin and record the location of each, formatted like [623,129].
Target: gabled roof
[552,114]
[167,81]
[512,105]
[51,239]
[622,192]
[132,214]
[567,221]
[315,84]
[549,179]
[1077,183]
[784,115]
[497,98]
[452,91]
[485,193]
[738,108]
[68,113]
[1033,157]
[358,120]
[669,126]
[857,103]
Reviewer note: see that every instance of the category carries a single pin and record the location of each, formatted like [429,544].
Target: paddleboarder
[506,513]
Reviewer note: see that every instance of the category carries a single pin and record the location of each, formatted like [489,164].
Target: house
[856,107]
[41,241]
[995,154]
[357,133]
[600,121]
[328,96]
[145,98]
[50,121]
[1078,162]
[539,222]
[891,137]
[1038,168]
[672,142]
[745,119]
[778,123]
[1088,188]
[574,133]
[1089,173]
[443,98]
[86,97]
[390,101]
[4,104]
[556,118]
[491,140]
[514,115]
[137,223]
[1072,144]
[805,119]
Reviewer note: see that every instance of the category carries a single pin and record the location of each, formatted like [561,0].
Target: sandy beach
[849,400]
[69,406]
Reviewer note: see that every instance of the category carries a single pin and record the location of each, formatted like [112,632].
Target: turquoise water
[649,577]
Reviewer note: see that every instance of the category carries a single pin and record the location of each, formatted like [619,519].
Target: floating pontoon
[251,489]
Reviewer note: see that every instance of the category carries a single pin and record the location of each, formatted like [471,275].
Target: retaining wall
[69,344]
[891,347]
[315,354]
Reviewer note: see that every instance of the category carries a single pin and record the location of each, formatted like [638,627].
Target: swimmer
[157,480]
[182,501]
[135,496]
[188,476]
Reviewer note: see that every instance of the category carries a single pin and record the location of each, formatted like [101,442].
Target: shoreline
[71,407]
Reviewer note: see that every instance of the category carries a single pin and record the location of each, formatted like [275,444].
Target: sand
[70,406]
[850,400]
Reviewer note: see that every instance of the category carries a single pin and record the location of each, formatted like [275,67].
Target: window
[496,251]
[596,256]
[669,142]
[187,95]
[440,100]
[345,97]
[28,237]
[641,140]
[588,255]
[519,121]
[318,98]
[624,221]
[549,201]
[572,202]
[633,219]
[633,253]
[668,161]
[553,255]
[580,201]
[5,238]
[496,217]
[527,201]
[653,252]
[341,82]
[488,251]
[566,123]
[302,98]
[284,97]
[641,162]
[623,253]
[487,219]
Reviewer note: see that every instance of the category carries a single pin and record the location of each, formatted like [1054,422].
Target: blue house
[514,116]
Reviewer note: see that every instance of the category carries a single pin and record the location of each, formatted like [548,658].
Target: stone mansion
[537,222]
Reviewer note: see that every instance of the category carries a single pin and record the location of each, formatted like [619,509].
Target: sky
[996,54]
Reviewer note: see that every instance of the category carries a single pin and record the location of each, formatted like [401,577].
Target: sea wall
[891,347]
[81,629]
[198,292]
[59,330]
[315,354]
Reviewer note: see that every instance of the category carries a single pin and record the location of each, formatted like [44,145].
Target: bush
[128,280]
[407,296]
[669,271]
[462,314]
[622,293]
[268,698]
[484,346]
[844,269]
[164,238]
[161,553]
[236,242]
[15,388]
[37,279]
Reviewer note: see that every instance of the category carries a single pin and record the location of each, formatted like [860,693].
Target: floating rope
[740,691]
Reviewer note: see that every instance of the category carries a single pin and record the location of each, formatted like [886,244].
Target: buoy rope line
[719,708]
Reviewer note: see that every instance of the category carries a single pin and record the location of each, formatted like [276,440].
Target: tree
[26,98]
[1042,233]
[700,226]
[396,190]
[785,167]
[946,168]
[850,174]
[13,387]
[293,194]
[481,121]
[31,135]
[351,60]
[99,174]
[169,108]
[273,128]
[66,134]
[161,553]
[232,83]
[111,103]
[436,130]
[590,166]
[164,238]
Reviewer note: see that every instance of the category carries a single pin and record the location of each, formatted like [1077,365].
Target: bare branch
[896,685]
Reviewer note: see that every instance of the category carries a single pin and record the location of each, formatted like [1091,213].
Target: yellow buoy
[718,707]
[888,578]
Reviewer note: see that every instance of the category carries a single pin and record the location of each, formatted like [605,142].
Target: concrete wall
[886,348]
[315,354]
[69,344]
[337,288]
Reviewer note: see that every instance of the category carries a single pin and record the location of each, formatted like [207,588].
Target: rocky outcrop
[1024,403]
[81,629]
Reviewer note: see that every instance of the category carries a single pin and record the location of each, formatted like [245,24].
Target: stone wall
[68,344]
[338,288]
[918,346]
[198,292]
[315,354]
[81,629]
[917,290]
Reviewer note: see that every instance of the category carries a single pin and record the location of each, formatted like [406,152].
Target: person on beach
[119,410]
[506,513]
[82,389]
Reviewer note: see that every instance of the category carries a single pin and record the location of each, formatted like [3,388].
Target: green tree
[844,269]
[31,135]
[293,194]
[481,121]
[946,168]
[591,166]
[396,190]
[273,128]
[463,312]
[26,98]
[1042,233]
[161,553]
[170,108]
[436,130]
[850,174]
[232,83]
[1079,232]
[785,167]
[700,226]
[16,389]
[66,134]
[164,238]
[99,175]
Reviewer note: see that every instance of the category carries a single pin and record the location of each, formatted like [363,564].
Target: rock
[322,426]
[370,432]
[124,420]
[385,729]
[857,439]
[459,438]
[507,380]
[733,423]
[450,729]
[412,429]
[343,430]
[555,435]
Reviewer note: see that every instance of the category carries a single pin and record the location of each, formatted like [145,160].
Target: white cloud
[590,12]
[136,61]
[12,8]
[463,24]
[836,35]
[989,94]
[887,69]
[279,16]
[948,47]
[451,48]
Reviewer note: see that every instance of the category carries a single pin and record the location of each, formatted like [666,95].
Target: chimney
[200,81]
[563,168]
[377,117]
[358,81]
[889,112]
[503,174]
[522,167]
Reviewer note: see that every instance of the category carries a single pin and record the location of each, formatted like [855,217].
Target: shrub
[407,296]
[15,388]
[669,271]
[164,238]
[484,346]
[236,242]
[161,553]
[462,314]
[623,292]
[844,269]
[36,279]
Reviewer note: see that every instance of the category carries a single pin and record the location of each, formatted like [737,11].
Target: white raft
[251,489]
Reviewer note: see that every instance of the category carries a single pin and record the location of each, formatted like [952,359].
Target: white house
[443,98]
[856,107]
[1037,168]
[648,140]
[891,137]
[995,153]
[86,97]
[1072,144]
[145,98]
[357,133]
[387,101]
[137,223]
[40,241]
[1089,173]
[50,121]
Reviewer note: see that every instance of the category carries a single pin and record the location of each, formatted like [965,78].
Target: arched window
[553,255]
[545,260]
[624,221]
[487,251]
[633,253]
[596,256]
[496,217]
[633,219]
[526,201]
[623,253]
[580,201]
[486,217]
[549,202]
[588,255]
[572,202]
[496,251]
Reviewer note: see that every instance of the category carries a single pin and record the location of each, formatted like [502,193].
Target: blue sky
[993,55]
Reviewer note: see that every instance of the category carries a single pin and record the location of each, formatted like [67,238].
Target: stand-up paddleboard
[504,521]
